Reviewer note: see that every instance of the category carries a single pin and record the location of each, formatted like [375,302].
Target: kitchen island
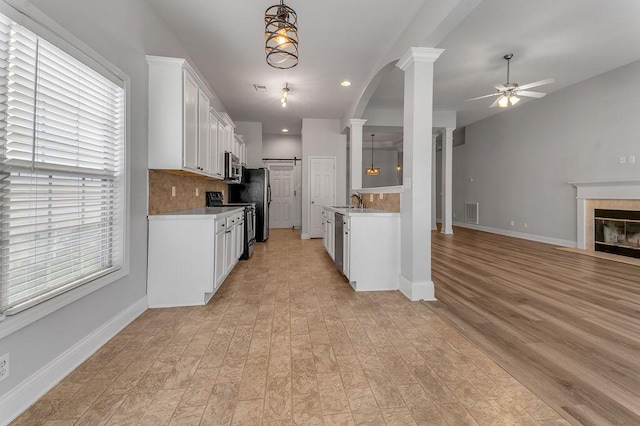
[364,244]
[191,252]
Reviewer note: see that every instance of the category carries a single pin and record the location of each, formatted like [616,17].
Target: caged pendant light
[373,171]
[281,33]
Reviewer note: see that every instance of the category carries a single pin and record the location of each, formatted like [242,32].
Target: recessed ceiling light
[345,83]
[285,130]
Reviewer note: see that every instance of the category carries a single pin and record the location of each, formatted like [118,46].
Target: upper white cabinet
[190,124]
[217,163]
[180,119]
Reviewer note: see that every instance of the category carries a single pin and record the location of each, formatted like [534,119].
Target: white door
[322,191]
[204,146]
[190,159]
[282,199]
[220,257]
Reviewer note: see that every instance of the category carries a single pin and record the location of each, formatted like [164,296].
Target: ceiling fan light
[514,99]
[503,102]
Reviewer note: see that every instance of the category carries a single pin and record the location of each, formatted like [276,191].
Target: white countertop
[201,213]
[361,212]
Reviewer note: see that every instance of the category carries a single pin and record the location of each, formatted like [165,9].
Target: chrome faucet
[359,197]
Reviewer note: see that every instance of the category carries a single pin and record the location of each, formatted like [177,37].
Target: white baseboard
[17,400]
[515,234]
[415,291]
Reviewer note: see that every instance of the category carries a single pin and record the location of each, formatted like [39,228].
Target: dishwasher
[338,257]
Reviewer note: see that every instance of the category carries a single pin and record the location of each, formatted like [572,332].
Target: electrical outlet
[512,223]
[197,192]
[623,160]
[173,191]
[371,198]
[4,366]
[632,159]
[526,225]
[381,196]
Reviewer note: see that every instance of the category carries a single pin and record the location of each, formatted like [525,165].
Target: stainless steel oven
[232,170]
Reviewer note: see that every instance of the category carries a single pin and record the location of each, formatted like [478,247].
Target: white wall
[387,160]
[281,146]
[322,138]
[521,160]
[252,132]
[123,32]
[287,146]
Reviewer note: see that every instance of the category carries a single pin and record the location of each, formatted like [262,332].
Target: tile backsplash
[161,182]
[390,202]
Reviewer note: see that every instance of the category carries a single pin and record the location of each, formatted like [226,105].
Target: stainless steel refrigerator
[255,188]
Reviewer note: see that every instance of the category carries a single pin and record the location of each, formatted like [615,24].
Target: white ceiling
[569,40]
[339,39]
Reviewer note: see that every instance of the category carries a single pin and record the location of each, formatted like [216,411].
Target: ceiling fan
[510,92]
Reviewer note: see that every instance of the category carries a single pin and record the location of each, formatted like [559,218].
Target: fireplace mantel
[612,189]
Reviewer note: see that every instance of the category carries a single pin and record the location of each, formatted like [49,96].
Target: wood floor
[287,341]
[565,325]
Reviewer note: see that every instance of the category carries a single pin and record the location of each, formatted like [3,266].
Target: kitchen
[289,312]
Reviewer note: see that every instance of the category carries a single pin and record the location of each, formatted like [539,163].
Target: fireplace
[602,196]
[617,232]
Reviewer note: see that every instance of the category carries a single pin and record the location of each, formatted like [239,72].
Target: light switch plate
[623,160]
[632,159]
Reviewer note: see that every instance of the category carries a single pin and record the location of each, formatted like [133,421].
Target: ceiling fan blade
[536,84]
[485,96]
[495,103]
[500,87]
[531,94]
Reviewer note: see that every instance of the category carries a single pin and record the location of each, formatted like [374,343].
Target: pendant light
[281,33]
[372,171]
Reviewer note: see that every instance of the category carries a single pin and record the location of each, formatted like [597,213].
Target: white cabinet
[220,259]
[239,237]
[370,247]
[330,230]
[180,133]
[190,256]
[217,158]
[205,155]
[190,160]
[346,246]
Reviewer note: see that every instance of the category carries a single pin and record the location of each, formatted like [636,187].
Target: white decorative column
[447,181]
[415,272]
[434,223]
[355,138]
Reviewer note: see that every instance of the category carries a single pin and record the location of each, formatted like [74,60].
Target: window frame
[36,21]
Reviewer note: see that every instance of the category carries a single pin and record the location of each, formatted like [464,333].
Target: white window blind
[62,164]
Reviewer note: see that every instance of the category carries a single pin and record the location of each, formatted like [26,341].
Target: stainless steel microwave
[232,169]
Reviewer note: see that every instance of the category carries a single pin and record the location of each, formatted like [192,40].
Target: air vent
[260,88]
[471,213]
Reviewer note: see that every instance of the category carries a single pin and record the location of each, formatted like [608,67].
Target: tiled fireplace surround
[607,194]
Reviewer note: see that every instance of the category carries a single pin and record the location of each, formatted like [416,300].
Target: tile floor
[287,341]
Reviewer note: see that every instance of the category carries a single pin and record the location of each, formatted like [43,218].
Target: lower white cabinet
[346,246]
[330,231]
[370,247]
[190,255]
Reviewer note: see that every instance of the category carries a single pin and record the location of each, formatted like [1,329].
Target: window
[62,184]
